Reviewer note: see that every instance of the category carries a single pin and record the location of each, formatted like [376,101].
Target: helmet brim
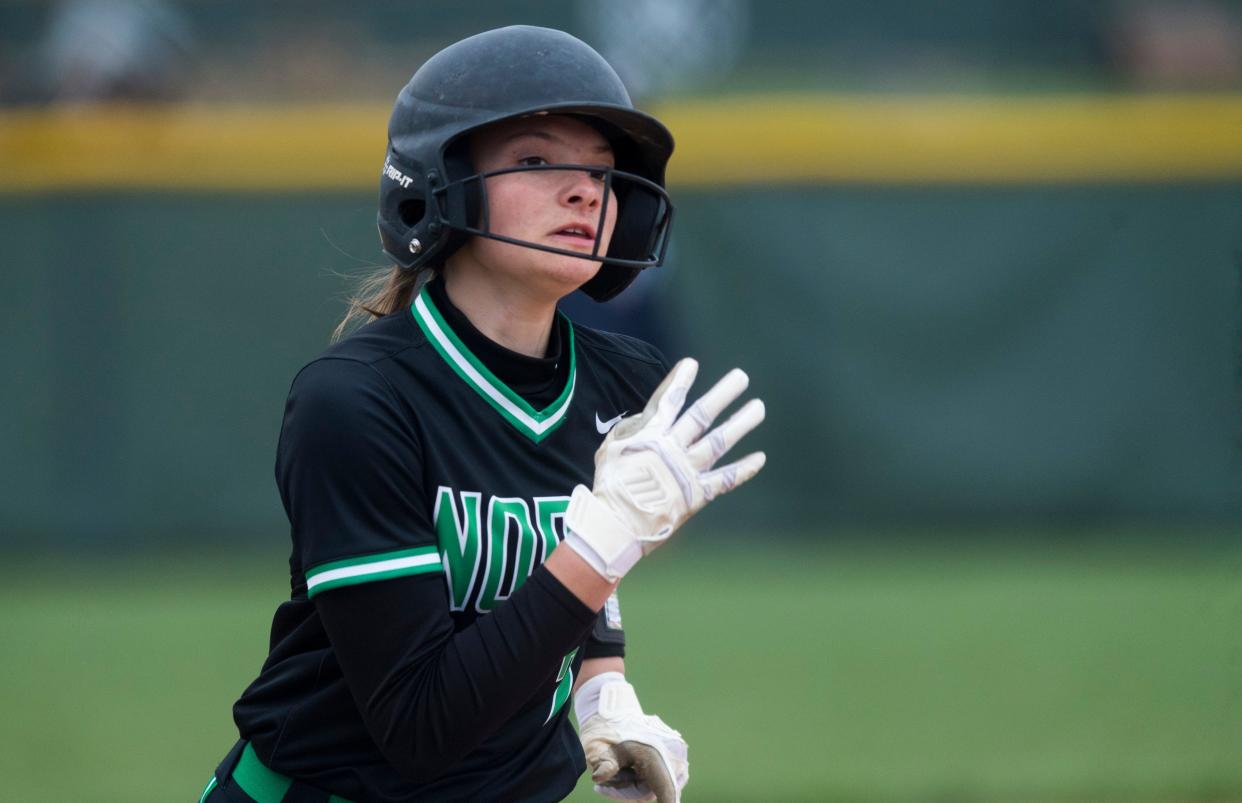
[646,136]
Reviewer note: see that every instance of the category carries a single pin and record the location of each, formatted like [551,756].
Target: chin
[557,274]
[571,272]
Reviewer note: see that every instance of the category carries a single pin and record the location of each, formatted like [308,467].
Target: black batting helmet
[431,196]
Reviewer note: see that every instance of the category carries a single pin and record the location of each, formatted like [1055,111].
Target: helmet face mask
[463,206]
[431,196]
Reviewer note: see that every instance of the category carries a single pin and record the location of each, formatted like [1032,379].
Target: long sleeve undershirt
[428,695]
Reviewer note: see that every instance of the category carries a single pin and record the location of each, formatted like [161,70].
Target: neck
[513,316]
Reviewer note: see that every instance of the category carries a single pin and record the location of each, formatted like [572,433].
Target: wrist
[595,532]
[579,577]
[586,699]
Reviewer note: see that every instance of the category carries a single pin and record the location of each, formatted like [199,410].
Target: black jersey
[426,472]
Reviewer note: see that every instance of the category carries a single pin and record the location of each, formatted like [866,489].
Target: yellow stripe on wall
[936,140]
[781,139]
[193,148]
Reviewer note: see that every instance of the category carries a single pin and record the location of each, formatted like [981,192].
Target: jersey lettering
[488,558]
[550,514]
[458,534]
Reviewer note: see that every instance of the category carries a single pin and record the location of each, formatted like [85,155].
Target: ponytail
[380,294]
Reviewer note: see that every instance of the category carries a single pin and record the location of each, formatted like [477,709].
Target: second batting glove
[630,755]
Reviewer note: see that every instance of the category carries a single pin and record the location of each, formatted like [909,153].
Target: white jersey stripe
[364,569]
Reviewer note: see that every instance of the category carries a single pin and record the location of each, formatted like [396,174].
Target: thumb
[650,768]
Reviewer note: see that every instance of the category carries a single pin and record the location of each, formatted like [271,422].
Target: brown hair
[383,292]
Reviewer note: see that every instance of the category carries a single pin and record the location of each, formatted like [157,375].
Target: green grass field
[1037,672]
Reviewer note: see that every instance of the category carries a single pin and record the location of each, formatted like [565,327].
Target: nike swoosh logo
[602,427]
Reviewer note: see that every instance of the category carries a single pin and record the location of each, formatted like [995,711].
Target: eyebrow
[544,135]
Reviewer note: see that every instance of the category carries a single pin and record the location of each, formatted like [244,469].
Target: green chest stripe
[534,424]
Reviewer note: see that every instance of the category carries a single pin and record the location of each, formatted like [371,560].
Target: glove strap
[619,700]
[586,698]
[599,537]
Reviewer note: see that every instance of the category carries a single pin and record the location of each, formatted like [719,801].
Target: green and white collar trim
[534,424]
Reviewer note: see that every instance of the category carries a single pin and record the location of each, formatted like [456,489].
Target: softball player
[469,475]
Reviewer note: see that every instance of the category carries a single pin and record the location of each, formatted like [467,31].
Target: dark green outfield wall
[938,353]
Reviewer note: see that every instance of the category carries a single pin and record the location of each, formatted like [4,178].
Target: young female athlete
[469,475]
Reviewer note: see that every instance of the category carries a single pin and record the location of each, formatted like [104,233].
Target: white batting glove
[630,755]
[654,471]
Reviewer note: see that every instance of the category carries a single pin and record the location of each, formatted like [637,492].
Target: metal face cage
[640,235]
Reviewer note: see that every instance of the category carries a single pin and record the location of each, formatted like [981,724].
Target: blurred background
[981,258]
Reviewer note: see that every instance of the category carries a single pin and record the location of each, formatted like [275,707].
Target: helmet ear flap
[408,221]
[412,211]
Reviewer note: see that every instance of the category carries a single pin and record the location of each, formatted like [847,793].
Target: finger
[667,400]
[651,770]
[604,769]
[695,421]
[625,786]
[704,454]
[601,759]
[628,792]
[726,478]
[624,779]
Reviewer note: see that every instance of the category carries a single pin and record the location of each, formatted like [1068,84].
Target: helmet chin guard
[431,196]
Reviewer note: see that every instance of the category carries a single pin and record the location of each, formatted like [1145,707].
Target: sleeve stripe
[372,567]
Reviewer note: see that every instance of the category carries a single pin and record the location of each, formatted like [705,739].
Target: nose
[582,189]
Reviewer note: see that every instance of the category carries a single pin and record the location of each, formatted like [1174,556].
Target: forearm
[576,574]
[598,666]
[430,695]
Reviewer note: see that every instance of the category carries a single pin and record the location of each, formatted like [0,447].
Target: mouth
[579,233]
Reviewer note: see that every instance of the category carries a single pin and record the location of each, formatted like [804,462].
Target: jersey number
[565,684]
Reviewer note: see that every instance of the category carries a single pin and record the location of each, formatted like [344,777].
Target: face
[556,208]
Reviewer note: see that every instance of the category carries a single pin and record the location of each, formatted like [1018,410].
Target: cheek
[610,219]
[507,206]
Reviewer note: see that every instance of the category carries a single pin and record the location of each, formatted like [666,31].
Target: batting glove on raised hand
[654,471]
[630,755]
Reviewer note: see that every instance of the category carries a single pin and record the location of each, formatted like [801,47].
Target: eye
[532,161]
[597,175]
